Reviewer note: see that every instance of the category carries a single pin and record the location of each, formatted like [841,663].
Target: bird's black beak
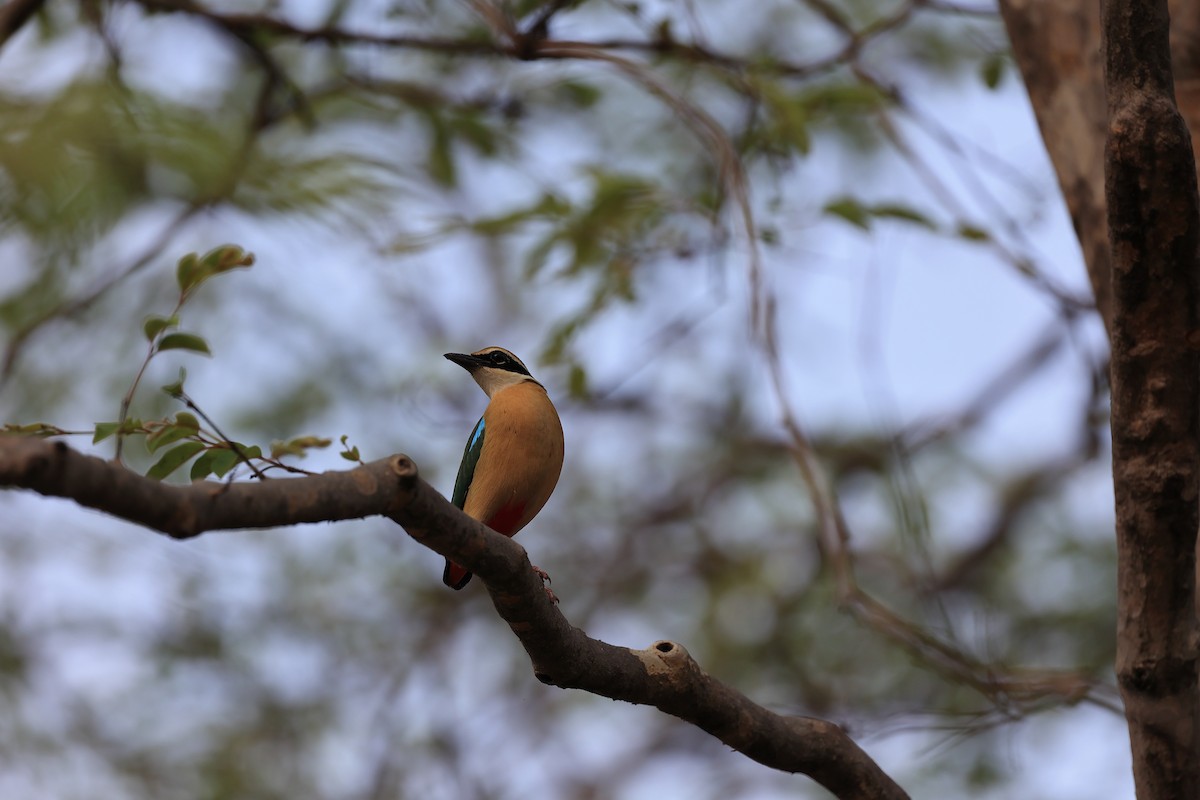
[465,360]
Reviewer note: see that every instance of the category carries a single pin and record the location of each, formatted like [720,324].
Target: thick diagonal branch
[662,675]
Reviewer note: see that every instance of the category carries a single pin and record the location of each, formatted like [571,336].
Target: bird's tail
[455,576]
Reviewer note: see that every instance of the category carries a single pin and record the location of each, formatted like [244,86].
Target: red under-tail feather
[457,577]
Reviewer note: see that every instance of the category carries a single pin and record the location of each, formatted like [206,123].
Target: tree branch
[1153,221]
[662,675]
[14,14]
[1055,47]
[511,43]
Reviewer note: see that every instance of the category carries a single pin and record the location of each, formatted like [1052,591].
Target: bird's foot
[545,576]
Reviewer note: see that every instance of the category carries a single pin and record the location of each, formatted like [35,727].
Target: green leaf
[183,341]
[524,7]
[577,382]
[787,126]
[548,206]
[187,272]
[107,429]
[560,337]
[226,257]
[992,70]
[622,210]
[578,94]
[851,211]
[903,213]
[470,128]
[176,389]
[165,435]
[104,430]
[972,233]
[192,270]
[217,461]
[155,325]
[841,97]
[220,459]
[861,216]
[185,425]
[298,446]
[173,459]
[251,451]
[539,255]
[223,460]
[202,467]
[185,419]
[349,453]
[74,162]
[440,160]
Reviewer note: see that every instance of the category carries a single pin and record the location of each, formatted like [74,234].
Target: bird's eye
[499,358]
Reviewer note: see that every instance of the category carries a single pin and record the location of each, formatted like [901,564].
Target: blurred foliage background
[568,180]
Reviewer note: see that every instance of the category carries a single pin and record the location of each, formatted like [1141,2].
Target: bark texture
[662,675]
[1153,219]
[1137,227]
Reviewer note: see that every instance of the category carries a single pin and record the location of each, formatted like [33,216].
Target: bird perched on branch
[515,452]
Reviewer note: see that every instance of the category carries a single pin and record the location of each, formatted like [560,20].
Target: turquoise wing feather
[466,470]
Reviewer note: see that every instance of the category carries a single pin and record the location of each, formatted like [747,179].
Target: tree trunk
[1138,228]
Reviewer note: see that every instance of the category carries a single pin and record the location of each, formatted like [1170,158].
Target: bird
[514,454]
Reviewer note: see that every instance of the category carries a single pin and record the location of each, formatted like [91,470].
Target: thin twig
[225,439]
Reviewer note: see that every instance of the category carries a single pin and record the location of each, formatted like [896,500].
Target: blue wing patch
[466,470]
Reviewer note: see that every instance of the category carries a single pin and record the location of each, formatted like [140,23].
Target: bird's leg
[545,576]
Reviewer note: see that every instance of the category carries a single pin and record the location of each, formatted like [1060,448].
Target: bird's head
[493,368]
